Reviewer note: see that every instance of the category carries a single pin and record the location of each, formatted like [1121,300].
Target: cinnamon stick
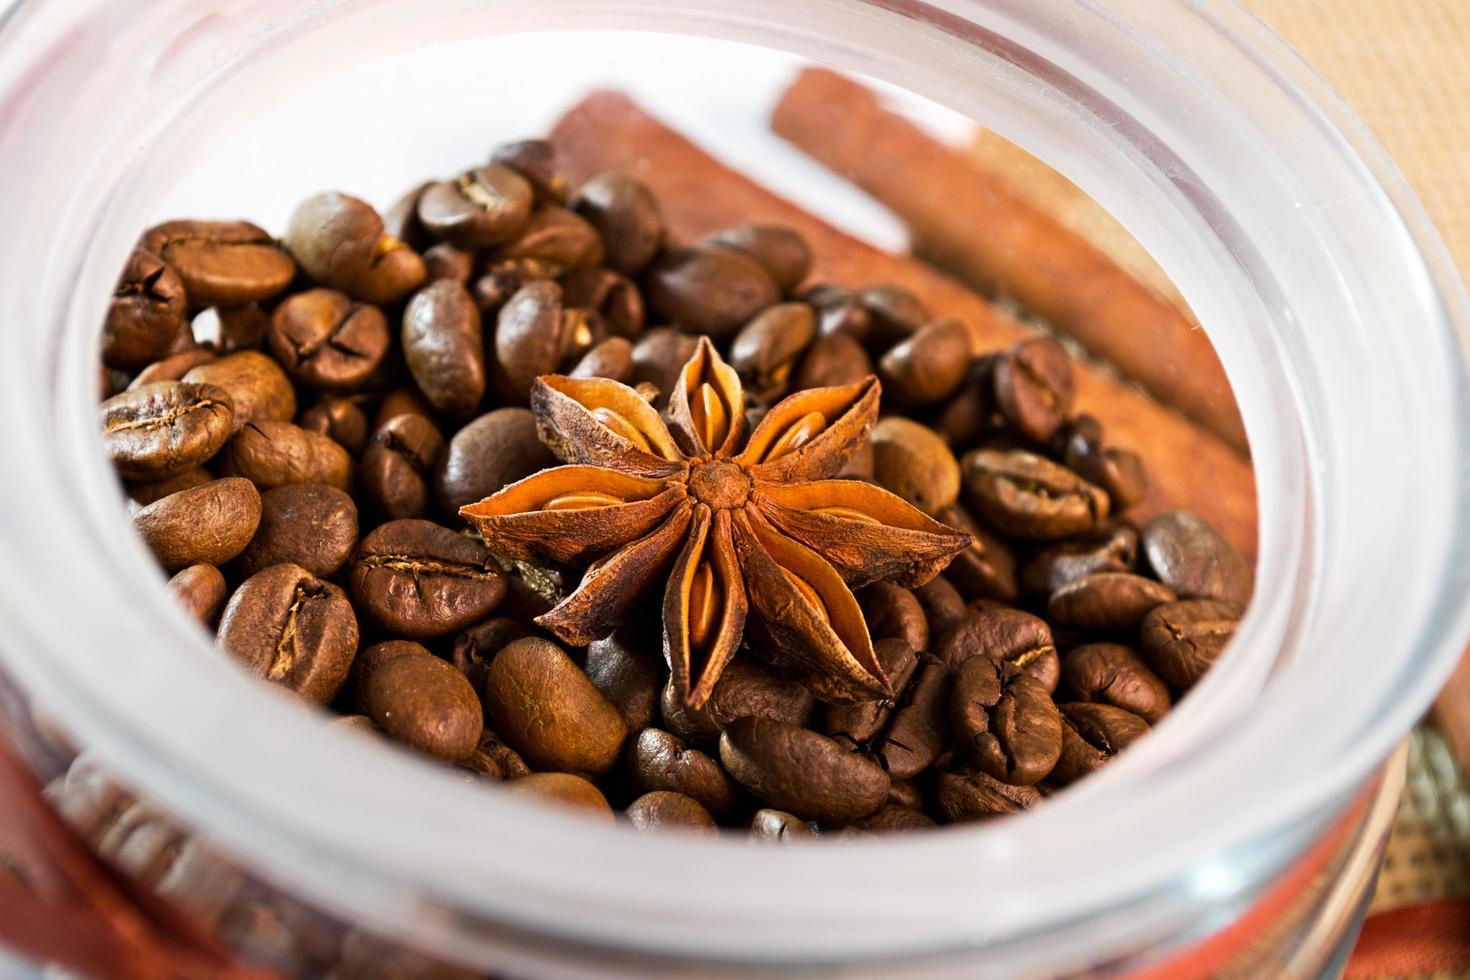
[1189,467]
[966,220]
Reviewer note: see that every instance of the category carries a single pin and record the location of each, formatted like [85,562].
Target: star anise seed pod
[748,525]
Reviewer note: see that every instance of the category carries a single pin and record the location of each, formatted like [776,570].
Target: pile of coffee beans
[298,421]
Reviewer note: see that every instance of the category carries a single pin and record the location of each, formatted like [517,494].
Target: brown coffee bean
[611,359]
[534,160]
[942,604]
[614,298]
[746,687]
[658,357]
[911,460]
[260,390]
[397,463]
[305,524]
[484,206]
[341,242]
[987,568]
[208,524]
[919,729]
[860,723]
[800,771]
[475,647]
[1112,548]
[1012,731]
[1182,639]
[486,760]
[339,419]
[201,590]
[146,492]
[146,312]
[833,359]
[662,810]
[839,311]
[1106,601]
[448,261]
[401,401]
[172,367]
[401,220]
[970,412]
[629,669]
[555,235]
[1092,734]
[780,250]
[708,289]
[972,795]
[661,761]
[489,454]
[293,629]
[892,611]
[325,340]
[1195,560]
[766,349]
[1033,387]
[890,819]
[1120,472]
[277,454]
[1015,641]
[779,827]
[503,278]
[444,348]
[1027,496]
[545,708]
[534,333]
[369,660]
[894,314]
[561,789]
[505,758]
[626,216]
[906,793]
[1110,673]
[427,705]
[238,327]
[929,366]
[221,263]
[416,579]
[164,429]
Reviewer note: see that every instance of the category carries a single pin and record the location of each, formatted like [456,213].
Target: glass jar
[1333,306]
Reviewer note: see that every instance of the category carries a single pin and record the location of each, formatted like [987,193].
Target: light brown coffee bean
[663,810]
[929,366]
[780,250]
[306,524]
[208,524]
[426,704]
[1110,673]
[912,461]
[561,789]
[325,340]
[489,454]
[221,263]
[1028,496]
[258,387]
[626,215]
[708,289]
[164,429]
[480,207]
[557,236]
[342,243]
[444,347]
[1183,639]
[397,464]
[972,795]
[277,454]
[833,359]
[1017,642]
[1033,387]
[1106,601]
[417,579]
[660,761]
[201,590]
[801,771]
[779,827]
[1195,560]
[146,312]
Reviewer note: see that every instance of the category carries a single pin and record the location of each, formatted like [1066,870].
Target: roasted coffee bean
[277,454]
[146,312]
[208,524]
[858,724]
[970,412]
[483,765]
[800,771]
[893,611]
[746,687]
[831,360]
[258,386]
[172,367]
[164,429]
[293,629]
[918,729]
[561,789]
[1015,641]
[221,263]
[534,333]
[448,261]
[401,401]
[341,242]
[401,221]
[1118,471]
[708,289]
[780,250]
[201,590]
[942,604]
[987,568]
[1106,601]
[767,348]
[659,355]
[305,524]
[894,314]
[628,668]
[1182,639]
[502,279]
[662,810]
[905,793]
[416,579]
[475,647]
[626,216]
[661,761]
[929,366]
[495,752]
[369,660]
[890,819]
[1110,673]
[545,708]
[614,298]
[1092,734]
[444,347]
[1112,548]
[779,827]
[489,454]
[397,465]
[240,327]
[1011,731]
[145,492]
[325,340]
[339,419]
[1195,560]
[839,311]
[427,705]
[911,460]
[484,206]
[1033,387]
[611,359]
[534,160]
[557,236]
[972,795]
[1027,496]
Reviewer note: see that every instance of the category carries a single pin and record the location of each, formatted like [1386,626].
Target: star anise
[751,525]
